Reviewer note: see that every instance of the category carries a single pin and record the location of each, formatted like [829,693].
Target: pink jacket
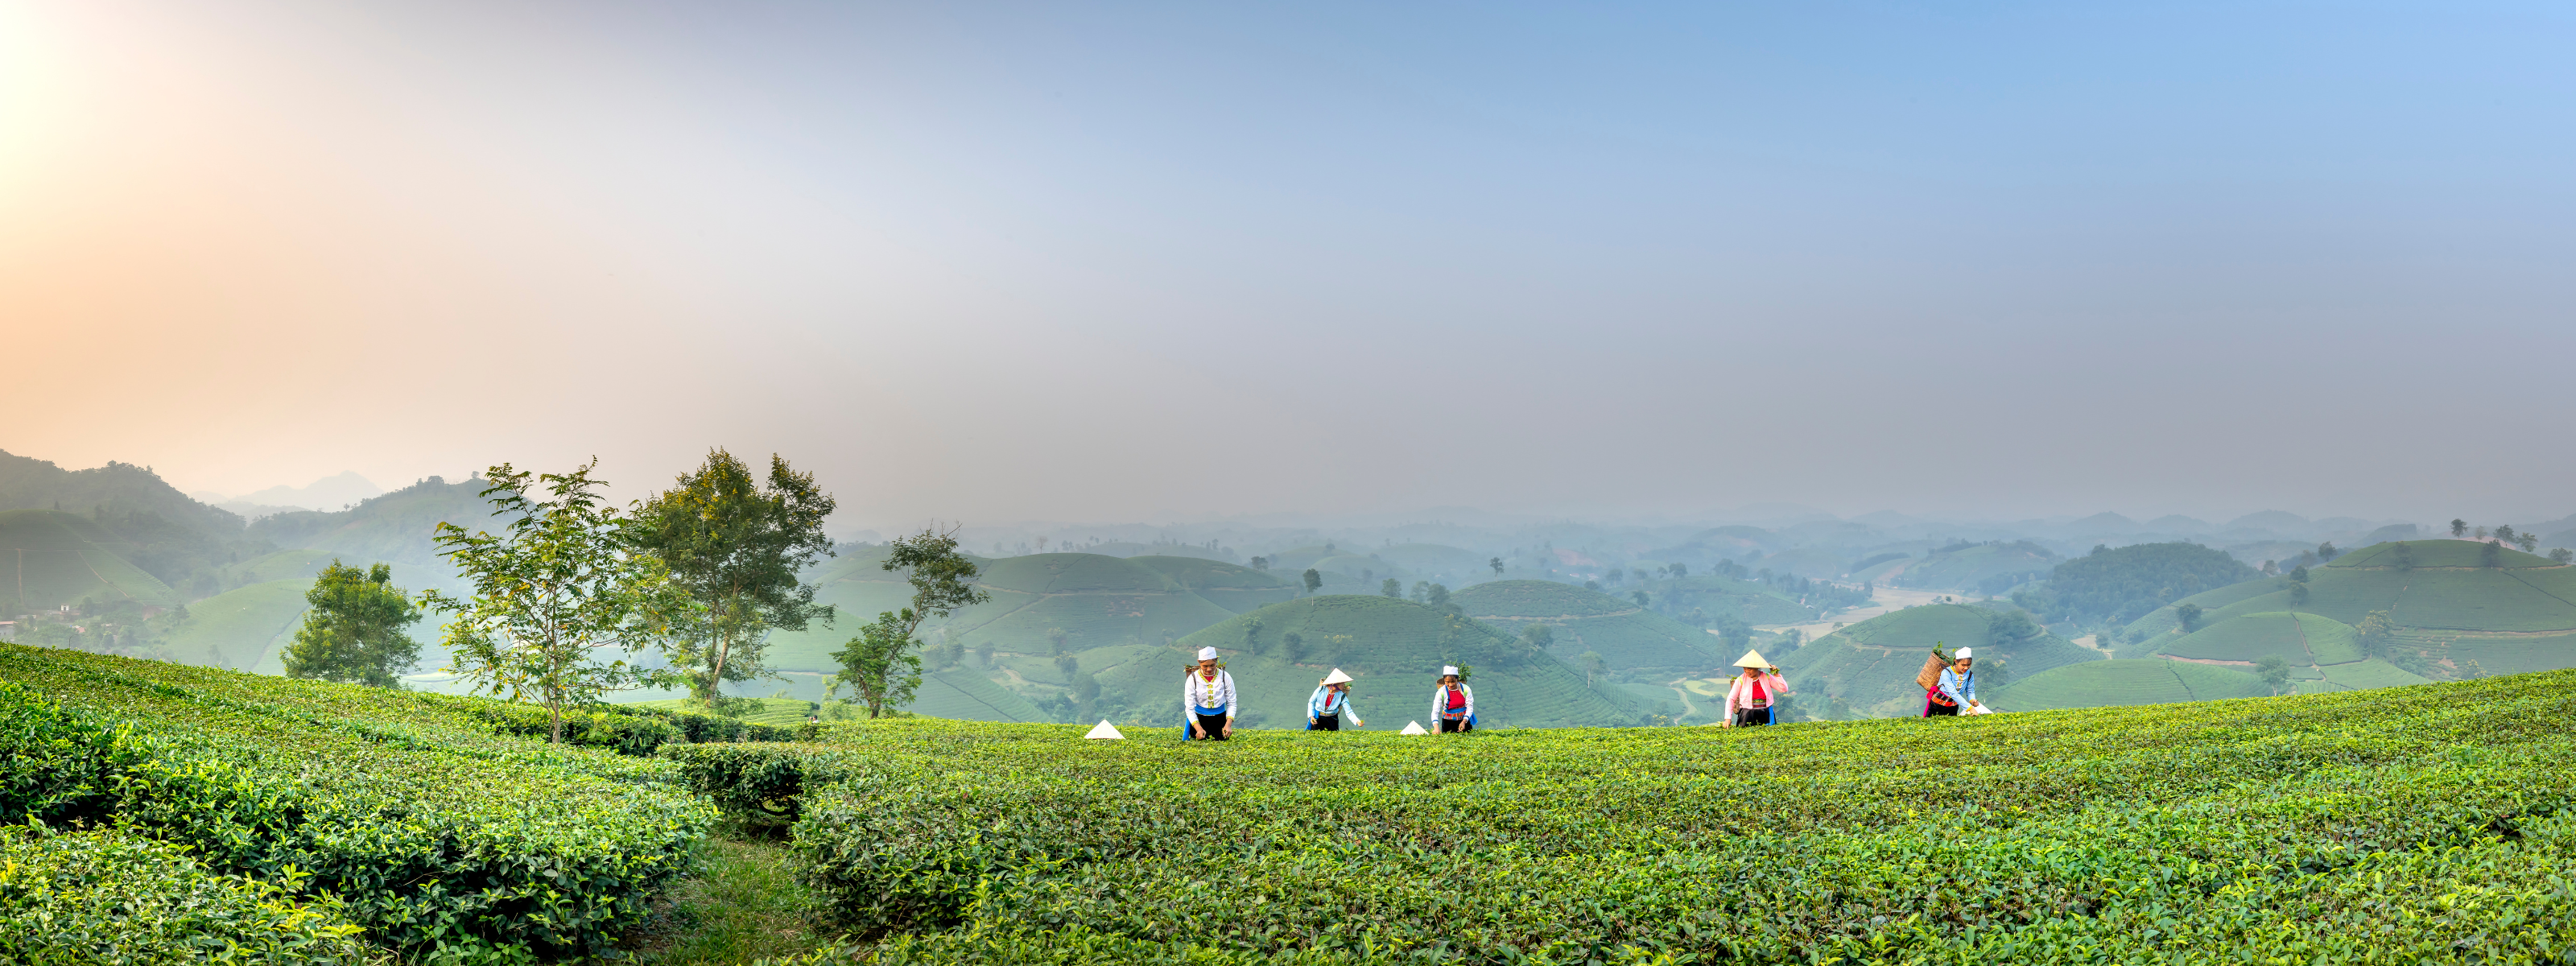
[1740,694]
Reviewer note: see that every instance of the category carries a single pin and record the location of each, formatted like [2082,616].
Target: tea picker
[1332,700]
[1950,683]
[1207,700]
[1453,703]
[1752,695]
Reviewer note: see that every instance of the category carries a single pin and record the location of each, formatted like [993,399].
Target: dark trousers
[1326,722]
[1460,726]
[1213,724]
[1933,708]
[1752,716]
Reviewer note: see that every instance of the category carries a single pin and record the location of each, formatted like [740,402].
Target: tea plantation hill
[56,558]
[2452,613]
[1986,567]
[1394,647]
[1629,638]
[1721,599]
[2128,681]
[1871,665]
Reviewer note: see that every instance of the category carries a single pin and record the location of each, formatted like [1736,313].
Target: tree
[2406,556]
[2190,616]
[737,549]
[2459,527]
[2326,551]
[2376,631]
[2490,556]
[1392,588]
[1539,636]
[1313,580]
[879,664]
[2504,533]
[2527,542]
[354,633]
[1292,646]
[1436,595]
[563,581]
[1497,564]
[1681,570]
[1639,596]
[1261,564]
[1593,666]
[2298,593]
[2275,671]
[2563,555]
[2299,575]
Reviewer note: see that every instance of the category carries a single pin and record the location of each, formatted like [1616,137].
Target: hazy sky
[1097,262]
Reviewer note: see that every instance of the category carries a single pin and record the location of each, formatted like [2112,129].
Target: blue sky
[1112,261]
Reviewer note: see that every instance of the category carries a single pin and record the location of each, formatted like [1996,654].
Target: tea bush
[2404,825]
[428,827]
[109,897]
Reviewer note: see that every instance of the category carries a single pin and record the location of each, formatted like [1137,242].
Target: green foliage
[1626,635]
[2392,827]
[2188,615]
[110,896]
[1313,580]
[737,549]
[354,631]
[2124,584]
[430,828]
[563,582]
[2274,671]
[1391,588]
[879,664]
[1871,665]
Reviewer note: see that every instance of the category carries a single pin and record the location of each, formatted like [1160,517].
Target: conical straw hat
[1751,658]
[1105,730]
[1337,677]
[1413,728]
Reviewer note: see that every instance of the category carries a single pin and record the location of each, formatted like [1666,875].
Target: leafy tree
[2490,556]
[2326,551]
[2527,542]
[2504,533]
[354,633]
[2405,556]
[2298,593]
[879,664]
[2377,631]
[1421,591]
[2190,615]
[565,580]
[1067,664]
[1261,564]
[1996,673]
[1539,636]
[2119,586]
[1055,640]
[1593,666]
[1497,564]
[1592,585]
[737,549]
[2275,671]
[1681,570]
[1392,588]
[1292,646]
[1436,595]
[1639,596]
[1314,581]
[2459,527]
[2300,575]
[2563,555]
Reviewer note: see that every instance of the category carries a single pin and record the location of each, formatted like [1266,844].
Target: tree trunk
[554,709]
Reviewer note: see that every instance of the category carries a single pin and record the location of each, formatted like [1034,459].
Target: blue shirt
[1327,701]
[1958,688]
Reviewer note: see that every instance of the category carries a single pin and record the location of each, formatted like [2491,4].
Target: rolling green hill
[395,527]
[1871,665]
[240,629]
[1395,649]
[1626,636]
[1724,599]
[2452,616]
[2096,684]
[2301,639]
[48,559]
[1987,567]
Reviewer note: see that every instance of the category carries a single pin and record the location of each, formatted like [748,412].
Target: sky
[1133,261]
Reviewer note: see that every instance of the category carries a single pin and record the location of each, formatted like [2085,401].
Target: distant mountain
[330,492]
[1991,568]
[396,527]
[2102,523]
[2396,531]
[2178,524]
[2277,521]
[107,492]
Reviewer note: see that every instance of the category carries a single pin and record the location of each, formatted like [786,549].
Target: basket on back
[1929,679]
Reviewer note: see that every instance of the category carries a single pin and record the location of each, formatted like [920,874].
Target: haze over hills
[1660,604]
